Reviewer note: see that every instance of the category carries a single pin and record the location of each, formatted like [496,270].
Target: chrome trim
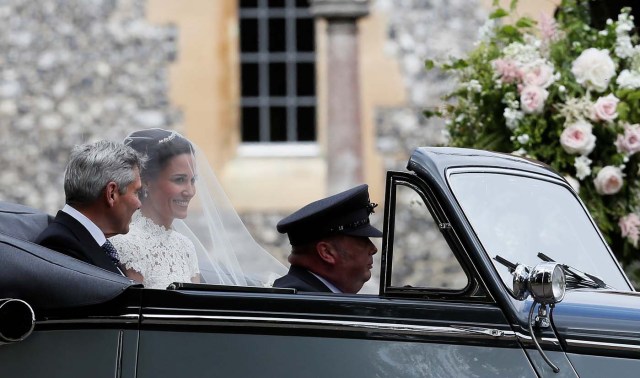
[326,323]
[485,331]
[549,340]
[502,170]
[120,319]
[27,312]
[119,354]
[600,344]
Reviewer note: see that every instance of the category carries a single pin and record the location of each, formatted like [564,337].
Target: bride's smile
[170,193]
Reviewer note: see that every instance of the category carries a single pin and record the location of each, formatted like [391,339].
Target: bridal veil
[227,253]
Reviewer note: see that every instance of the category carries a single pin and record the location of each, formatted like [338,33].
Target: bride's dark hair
[158,146]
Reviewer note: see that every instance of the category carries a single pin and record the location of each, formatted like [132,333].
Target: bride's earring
[145,192]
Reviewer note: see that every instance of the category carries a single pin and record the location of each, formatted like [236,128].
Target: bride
[186,229]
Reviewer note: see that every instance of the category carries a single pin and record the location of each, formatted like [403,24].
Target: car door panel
[96,353]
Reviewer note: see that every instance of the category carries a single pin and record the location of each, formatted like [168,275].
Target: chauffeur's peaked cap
[344,213]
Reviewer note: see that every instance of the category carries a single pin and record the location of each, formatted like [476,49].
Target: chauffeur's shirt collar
[327,283]
[97,234]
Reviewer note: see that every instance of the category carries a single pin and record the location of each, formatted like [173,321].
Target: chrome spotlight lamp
[546,282]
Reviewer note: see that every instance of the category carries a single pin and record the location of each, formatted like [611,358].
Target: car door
[98,342]
[429,257]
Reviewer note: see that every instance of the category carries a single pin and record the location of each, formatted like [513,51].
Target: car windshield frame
[513,202]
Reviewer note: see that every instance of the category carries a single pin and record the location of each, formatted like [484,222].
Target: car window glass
[421,255]
[516,217]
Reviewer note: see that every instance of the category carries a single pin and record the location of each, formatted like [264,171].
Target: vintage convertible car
[526,286]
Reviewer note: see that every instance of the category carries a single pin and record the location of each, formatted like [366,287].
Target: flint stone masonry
[75,71]
[420,30]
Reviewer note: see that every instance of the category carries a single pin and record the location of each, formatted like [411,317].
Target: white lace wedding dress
[162,256]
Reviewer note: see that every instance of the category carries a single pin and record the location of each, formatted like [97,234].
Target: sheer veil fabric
[227,253]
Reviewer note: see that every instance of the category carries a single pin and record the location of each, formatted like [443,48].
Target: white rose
[629,79]
[577,138]
[583,167]
[609,180]
[512,117]
[538,73]
[593,69]
[532,99]
[605,108]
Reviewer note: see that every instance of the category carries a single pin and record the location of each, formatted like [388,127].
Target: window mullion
[263,65]
[292,130]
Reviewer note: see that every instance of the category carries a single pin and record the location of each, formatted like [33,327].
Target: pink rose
[507,70]
[630,228]
[605,108]
[532,99]
[539,74]
[577,138]
[609,180]
[629,143]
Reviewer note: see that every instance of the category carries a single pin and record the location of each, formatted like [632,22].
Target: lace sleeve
[130,252]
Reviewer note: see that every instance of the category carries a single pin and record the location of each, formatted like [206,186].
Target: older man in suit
[331,250]
[101,185]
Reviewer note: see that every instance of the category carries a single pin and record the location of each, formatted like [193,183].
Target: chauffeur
[330,246]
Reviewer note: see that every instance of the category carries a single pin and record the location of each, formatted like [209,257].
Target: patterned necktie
[111,251]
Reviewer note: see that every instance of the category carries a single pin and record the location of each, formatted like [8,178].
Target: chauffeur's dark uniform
[345,213]
[66,235]
[302,280]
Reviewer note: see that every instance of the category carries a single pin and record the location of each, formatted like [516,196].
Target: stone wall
[420,30]
[73,71]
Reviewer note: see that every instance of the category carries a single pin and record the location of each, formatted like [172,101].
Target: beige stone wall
[205,76]
[205,86]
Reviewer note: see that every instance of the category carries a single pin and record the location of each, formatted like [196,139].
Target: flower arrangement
[562,92]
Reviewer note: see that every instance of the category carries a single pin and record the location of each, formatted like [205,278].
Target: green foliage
[498,13]
[529,88]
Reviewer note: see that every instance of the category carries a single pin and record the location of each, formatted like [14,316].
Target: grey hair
[92,166]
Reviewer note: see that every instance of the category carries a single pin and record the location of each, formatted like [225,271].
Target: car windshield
[518,216]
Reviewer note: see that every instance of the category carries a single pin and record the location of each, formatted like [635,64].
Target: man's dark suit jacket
[302,280]
[66,235]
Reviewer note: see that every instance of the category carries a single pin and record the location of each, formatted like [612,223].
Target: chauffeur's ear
[327,252]
[111,193]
